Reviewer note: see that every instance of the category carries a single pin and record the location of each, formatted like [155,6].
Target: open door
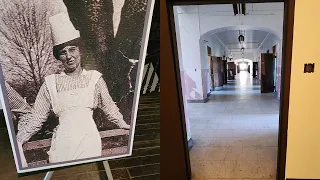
[267,73]
[255,69]
[231,70]
[217,73]
[224,71]
[274,52]
[211,73]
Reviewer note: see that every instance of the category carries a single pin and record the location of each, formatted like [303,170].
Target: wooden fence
[35,151]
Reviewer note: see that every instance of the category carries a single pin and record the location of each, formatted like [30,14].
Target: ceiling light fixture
[241,38]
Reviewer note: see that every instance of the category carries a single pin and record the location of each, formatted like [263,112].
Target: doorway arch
[250,63]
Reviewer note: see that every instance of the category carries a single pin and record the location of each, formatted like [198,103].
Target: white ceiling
[227,9]
[253,40]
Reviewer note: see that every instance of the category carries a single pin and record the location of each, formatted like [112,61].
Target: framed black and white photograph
[71,73]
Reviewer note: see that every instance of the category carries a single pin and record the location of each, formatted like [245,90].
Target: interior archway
[247,61]
[242,27]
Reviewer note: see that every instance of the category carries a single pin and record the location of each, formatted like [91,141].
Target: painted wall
[189,54]
[194,56]
[279,63]
[217,50]
[183,80]
[303,157]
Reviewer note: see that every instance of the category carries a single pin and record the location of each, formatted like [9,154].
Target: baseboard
[198,101]
[190,143]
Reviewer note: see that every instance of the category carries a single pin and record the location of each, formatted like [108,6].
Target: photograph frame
[49,167]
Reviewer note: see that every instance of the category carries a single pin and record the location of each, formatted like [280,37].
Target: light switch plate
[309,68]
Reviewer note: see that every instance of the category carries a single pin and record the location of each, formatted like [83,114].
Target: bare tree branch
[25,42]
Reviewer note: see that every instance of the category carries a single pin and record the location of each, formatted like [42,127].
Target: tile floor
[235,132]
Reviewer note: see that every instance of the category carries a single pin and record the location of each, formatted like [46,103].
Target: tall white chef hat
[62,29]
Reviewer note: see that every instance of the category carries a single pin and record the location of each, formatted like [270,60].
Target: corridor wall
[183,80]
[303,146]
[187,31]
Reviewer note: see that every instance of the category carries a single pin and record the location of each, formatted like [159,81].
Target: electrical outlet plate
[309,68]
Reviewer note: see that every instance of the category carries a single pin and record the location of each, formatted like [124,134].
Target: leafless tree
[25,43]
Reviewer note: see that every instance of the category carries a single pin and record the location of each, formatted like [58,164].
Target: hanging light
[241,38]
[242,49]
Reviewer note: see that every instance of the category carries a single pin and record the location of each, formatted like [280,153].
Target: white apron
[76,136]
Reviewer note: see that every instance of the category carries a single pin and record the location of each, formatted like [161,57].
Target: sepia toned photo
[71,76]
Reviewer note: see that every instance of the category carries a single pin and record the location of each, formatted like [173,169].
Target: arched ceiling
[254,40]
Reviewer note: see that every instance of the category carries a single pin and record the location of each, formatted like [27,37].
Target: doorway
[284,95]
[274,52]
[236,130]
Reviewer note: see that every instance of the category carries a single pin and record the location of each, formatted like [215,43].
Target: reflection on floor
[235,132]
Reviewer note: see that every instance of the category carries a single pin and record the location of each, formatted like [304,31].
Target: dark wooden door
[225,72]
[255,69]
[220,71]
[216,71]
[267,73]
[231,70]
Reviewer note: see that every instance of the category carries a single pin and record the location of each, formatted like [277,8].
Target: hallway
[235,132]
